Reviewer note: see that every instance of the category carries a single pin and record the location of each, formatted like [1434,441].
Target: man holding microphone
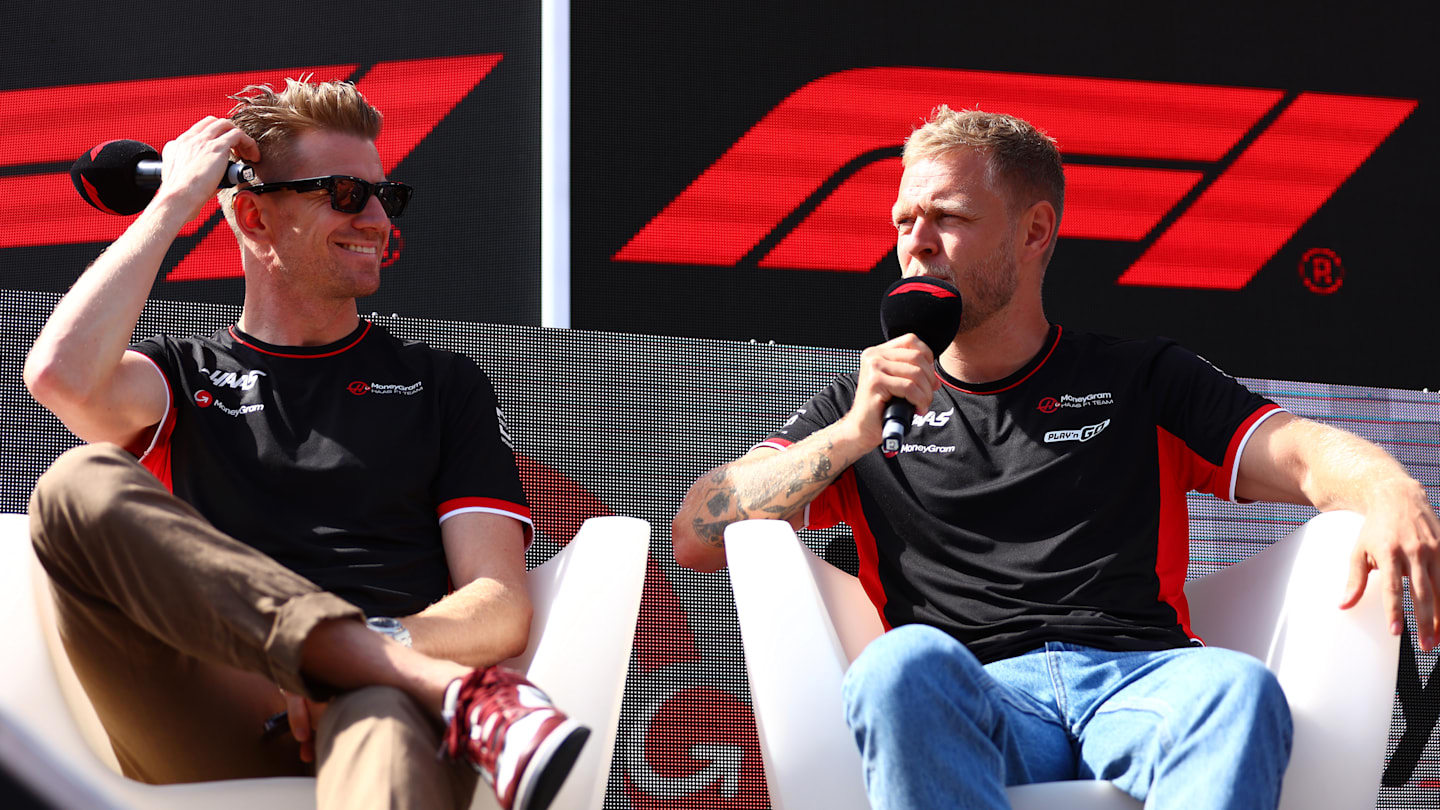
[1026,550]
[250,497]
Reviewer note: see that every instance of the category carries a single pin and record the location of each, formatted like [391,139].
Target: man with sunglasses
[250,497]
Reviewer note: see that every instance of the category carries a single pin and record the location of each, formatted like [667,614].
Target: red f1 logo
[50,126]
[1243,168]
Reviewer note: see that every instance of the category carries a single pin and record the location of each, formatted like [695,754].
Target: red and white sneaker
[510,732]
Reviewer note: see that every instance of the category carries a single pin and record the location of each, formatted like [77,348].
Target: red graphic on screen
[1272,177]
[677,764]
[1321,271]
[52,125]
[692,746]
[393,248]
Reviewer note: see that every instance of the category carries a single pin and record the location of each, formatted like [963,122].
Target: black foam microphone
[930,308]
[120,177]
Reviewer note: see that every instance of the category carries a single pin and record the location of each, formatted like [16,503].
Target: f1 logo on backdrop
[1234,171]
[42,130]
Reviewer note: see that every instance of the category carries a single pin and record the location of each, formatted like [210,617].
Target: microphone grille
[928,307]
[105,176]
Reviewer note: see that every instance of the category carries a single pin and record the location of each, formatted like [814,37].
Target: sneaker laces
[477,710]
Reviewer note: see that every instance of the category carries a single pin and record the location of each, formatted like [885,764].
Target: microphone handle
[898,415]
[147,174]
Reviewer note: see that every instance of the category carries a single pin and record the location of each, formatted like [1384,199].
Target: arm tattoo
[788,485]
[777,492]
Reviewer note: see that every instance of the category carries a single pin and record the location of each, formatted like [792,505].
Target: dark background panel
[698,77]
[472,233]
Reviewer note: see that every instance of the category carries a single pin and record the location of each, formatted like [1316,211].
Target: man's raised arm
[774,484]
[78,367]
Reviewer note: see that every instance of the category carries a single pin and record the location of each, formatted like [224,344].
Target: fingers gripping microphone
[120,177]
[930,308]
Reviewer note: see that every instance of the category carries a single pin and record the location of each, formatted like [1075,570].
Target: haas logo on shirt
[243,380]
[932,418]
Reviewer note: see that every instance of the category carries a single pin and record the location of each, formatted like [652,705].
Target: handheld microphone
[120,177]
[929,308]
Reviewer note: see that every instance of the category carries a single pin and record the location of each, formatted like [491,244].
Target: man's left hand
[304,716]
[1400,538]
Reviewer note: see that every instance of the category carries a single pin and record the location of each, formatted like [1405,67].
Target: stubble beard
[320,274]
[992,282]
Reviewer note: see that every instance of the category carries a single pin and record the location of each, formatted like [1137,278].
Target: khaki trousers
[180,635]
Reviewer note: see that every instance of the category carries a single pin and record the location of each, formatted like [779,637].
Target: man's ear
[1037,231]
[250,220]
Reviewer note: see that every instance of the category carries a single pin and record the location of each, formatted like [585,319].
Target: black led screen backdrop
[1253,180]
[459,84]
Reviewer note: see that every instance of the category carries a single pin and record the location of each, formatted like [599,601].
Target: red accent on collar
[235,333]
[1058,330]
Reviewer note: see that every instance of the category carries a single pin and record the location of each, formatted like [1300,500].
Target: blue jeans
[1199,728]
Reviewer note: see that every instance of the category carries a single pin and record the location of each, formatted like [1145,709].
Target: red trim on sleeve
[1231,468]
[152,447]
[1178,466]
[774,444]
[457,505]
[156,459]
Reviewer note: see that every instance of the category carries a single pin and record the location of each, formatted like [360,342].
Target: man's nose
[924,237]
[373,215]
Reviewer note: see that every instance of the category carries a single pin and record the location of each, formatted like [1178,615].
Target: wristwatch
[390,627]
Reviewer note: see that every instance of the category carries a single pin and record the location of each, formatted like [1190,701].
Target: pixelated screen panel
[622,424]
[458,84]
[1222,173]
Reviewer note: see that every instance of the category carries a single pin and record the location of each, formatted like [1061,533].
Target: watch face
[390,627]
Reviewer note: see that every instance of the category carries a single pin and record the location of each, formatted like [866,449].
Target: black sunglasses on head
[348,195]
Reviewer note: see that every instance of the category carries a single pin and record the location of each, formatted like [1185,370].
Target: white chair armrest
[587,602]
[1337,667]
[796,663]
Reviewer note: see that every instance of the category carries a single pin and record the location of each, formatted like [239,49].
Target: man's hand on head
[195,162]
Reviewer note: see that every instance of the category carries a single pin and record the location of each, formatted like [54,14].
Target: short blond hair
[275,119]
[1024,162]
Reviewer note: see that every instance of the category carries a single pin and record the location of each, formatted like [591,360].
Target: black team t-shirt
[1047,506]
[339,461]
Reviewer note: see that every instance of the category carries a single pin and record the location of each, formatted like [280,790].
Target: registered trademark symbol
[1321,271]
[393,248]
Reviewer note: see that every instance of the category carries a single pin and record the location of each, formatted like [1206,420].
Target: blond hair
[275,119]
[1023,162]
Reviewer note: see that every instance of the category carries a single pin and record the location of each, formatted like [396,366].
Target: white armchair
[586,601]
[802,622]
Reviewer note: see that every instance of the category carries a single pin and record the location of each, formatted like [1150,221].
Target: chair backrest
[1337,667]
